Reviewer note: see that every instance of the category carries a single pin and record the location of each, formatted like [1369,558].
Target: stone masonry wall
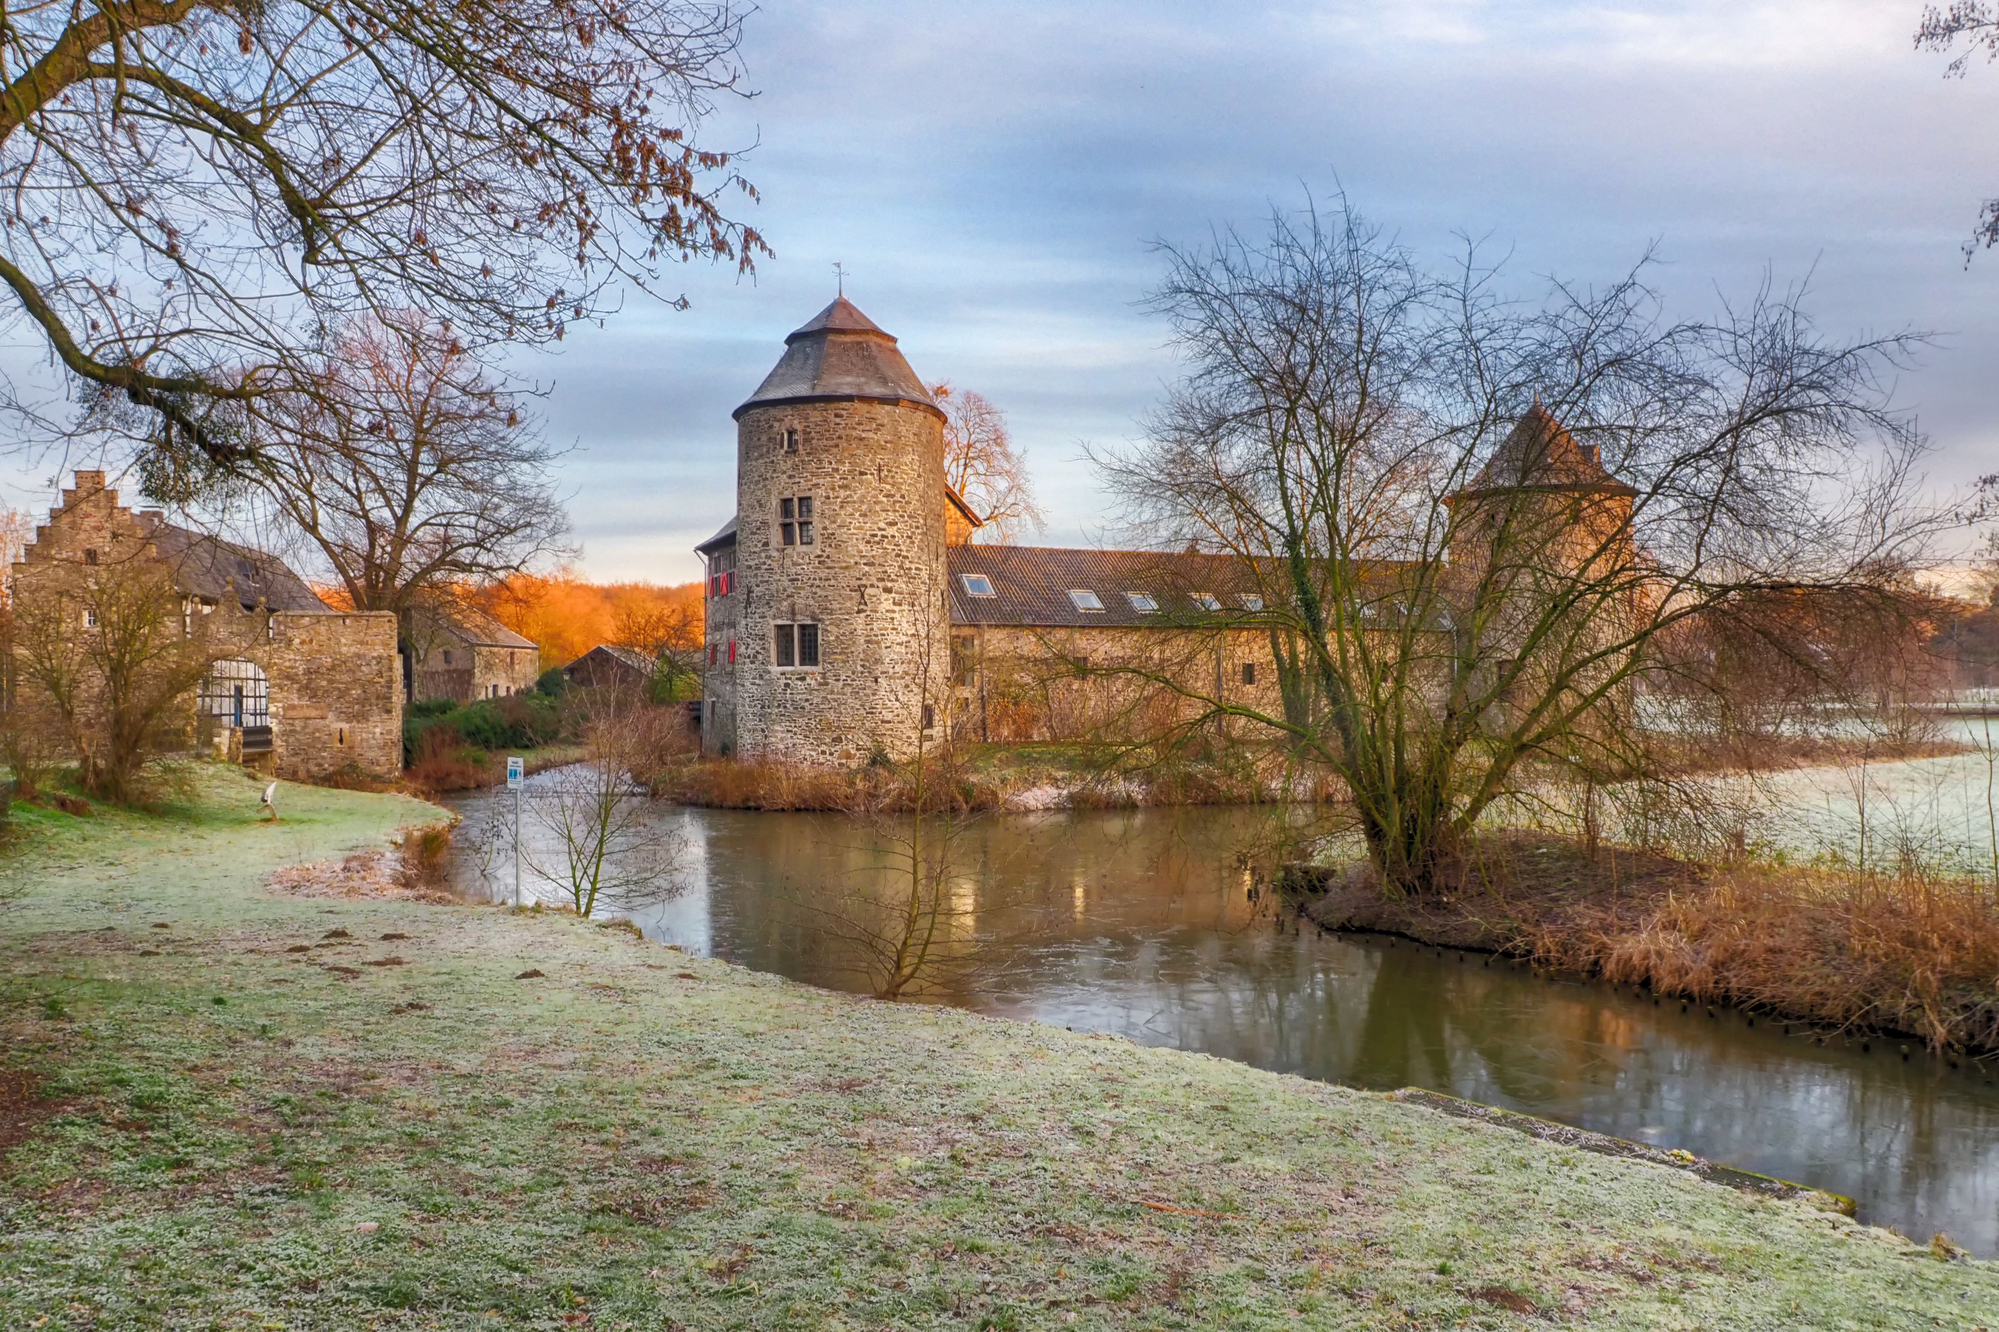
[873,579]
[721,627]
[336,693]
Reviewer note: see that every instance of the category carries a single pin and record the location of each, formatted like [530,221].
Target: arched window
[236,693]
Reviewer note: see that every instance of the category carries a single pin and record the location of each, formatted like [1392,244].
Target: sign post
[516,782]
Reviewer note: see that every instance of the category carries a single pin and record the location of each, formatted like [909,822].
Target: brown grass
[1908,953]
[444,762]
[423,857]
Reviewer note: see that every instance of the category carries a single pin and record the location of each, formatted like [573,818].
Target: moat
[1145,924]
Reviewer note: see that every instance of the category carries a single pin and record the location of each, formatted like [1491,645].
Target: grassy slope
[642,1139]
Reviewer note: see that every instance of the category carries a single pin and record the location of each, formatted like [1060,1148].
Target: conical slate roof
[840,353]
[1540,454]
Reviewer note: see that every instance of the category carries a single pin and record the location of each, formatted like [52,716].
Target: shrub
[443,762]
[551,683]
[424,856]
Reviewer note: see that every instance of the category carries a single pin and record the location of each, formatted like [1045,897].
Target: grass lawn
[248,1120]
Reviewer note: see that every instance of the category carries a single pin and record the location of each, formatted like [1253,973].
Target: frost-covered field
[309,1112]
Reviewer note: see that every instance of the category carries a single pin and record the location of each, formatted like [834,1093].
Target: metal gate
[236,694]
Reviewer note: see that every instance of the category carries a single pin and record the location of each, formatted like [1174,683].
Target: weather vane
[840,277]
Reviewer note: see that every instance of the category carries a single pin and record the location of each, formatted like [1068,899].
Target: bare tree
[105,658]
[981,464]
[1976,24]
[405,468]
[594,834]
[1468,521]
[196,191]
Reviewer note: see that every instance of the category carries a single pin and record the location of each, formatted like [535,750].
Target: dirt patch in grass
[22,1108]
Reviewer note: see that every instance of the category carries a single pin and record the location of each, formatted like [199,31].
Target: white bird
[269,800]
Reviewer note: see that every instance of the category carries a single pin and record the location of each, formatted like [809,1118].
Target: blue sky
[992,176]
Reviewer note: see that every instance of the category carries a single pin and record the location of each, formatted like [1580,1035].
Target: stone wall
[722,632]
[1013,685]
[336,693]
[872,579]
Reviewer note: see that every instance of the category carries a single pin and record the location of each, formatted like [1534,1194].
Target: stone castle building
[290,684]
[848,615]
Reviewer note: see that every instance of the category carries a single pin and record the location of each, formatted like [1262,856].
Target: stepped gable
[840,355]
[1540,454]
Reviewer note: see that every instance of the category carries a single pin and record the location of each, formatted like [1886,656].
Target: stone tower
[838,618]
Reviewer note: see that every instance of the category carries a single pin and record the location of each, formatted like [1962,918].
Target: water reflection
[1145,923]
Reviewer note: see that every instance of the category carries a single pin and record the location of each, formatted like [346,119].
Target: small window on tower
[787,521]
[90,557]
[90,617]
[787,645]
[929,717]
[804,520]
[1249,672]
[791,441]
[808,645]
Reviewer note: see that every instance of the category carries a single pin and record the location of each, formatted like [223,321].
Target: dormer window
[1207,601]
[1084,600]
[976,585]
[1142,602]
[794,520]
[1250,601]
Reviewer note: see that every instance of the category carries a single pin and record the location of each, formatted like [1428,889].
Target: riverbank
[338,1112]
[1904,955]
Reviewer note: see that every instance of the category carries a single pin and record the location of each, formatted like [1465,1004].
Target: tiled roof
[840,353]
[631,657]
[208,567]
[725,537]
[1540,454]
[1031,585]
[475,628]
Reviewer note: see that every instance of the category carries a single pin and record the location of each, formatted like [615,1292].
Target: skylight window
[1207,601]
[1142,602]
[1084,599]
[978,585]
[1250,601]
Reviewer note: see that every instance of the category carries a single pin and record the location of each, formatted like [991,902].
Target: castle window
[1142,602]
[1249,672]
[794,520]
[447,656]
[90,556]
[929,717]
[977,585]
[711,654]
[732,652]
[1251,602]
[791,441]
[90,617]
[797,645]
[1084,600]
[1207,601]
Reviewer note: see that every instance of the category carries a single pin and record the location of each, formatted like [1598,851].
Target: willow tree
[200,193]
[1470,525]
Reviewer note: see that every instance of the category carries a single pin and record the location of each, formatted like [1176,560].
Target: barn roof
[1031,585]
[839,354]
